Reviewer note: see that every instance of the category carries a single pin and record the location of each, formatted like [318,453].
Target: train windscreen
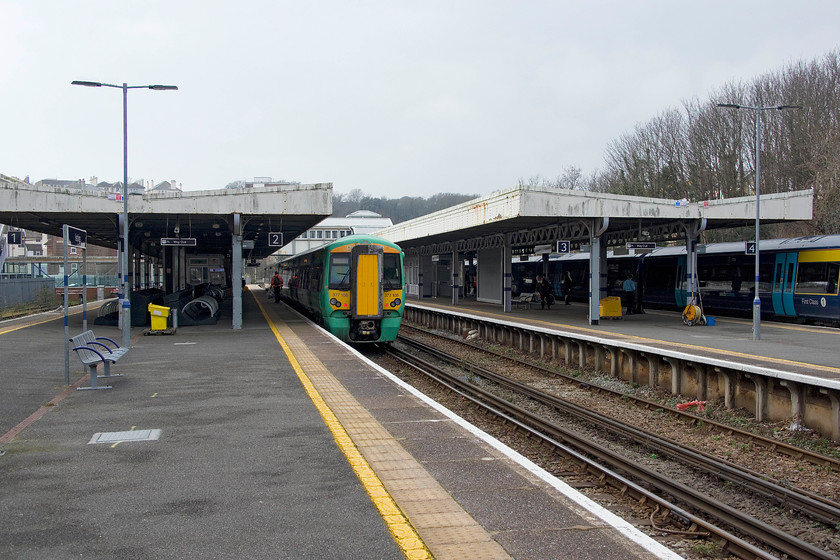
[340,271]
[391,272]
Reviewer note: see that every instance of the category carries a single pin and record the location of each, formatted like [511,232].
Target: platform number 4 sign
[275,239]
[749,247]
[564,247]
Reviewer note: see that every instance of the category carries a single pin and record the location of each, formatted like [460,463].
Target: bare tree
[705,152]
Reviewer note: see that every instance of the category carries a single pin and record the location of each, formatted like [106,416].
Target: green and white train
[352,286]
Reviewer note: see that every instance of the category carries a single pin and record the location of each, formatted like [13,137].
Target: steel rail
[536,426]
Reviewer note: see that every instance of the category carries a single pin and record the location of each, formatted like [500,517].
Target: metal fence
[15,291]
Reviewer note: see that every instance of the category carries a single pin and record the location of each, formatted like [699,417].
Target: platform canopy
[207,216]
[539,216]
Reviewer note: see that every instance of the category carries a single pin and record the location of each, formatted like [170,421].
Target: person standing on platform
[630,294]
[567,288]
[294,282]
[276,285]
[546,291]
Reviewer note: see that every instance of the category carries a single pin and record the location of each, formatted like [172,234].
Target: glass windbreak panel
[391,273]
[340,271]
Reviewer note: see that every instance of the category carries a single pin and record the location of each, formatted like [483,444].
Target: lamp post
[125,301]
[757,110]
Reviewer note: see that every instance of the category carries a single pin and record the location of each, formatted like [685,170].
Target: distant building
[32,244]
[266,182]
[166,186]
[330,229]
[135,187]
[63,184]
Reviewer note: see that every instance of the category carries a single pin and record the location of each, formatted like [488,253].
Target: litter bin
[160,317]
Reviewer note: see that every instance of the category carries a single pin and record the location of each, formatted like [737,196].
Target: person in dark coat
[567,288]
[276,285]
[546,291]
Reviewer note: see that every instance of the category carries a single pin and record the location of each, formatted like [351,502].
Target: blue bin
[710,321]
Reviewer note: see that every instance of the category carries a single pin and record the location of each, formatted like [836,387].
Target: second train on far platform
[798,278]
[352,286]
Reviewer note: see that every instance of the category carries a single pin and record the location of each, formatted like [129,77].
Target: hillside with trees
[702,151]
[398,209]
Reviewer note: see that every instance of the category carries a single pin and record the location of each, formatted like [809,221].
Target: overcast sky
[394,98]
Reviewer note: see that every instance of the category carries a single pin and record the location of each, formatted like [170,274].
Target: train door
[784,276]
[681,289]
[366,297]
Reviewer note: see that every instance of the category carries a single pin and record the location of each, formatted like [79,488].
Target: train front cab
[365,293]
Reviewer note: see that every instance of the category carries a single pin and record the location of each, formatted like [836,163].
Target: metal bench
[525,300]
[93,350]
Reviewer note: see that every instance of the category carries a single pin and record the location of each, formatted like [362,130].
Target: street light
[758,110]
[125,300]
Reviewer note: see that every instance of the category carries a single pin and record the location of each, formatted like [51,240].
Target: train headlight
[335,303]
[396,302]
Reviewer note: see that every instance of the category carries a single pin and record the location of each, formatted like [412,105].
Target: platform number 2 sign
[275,239]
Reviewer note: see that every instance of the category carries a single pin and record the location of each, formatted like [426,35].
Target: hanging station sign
[178,241]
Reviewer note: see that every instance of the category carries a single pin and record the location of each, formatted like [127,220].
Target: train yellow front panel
[367,285]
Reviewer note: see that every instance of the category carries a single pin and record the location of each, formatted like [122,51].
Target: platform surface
[272,441]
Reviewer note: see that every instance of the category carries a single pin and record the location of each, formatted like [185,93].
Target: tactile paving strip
[448,531]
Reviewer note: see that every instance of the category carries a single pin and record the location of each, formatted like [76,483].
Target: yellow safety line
[398,525]
[682,345]
[29,324]
[5,330]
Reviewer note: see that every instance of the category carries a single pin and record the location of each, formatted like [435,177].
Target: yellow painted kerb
[399,527]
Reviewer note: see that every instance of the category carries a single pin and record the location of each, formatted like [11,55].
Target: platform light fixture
[758,110]
[125,301]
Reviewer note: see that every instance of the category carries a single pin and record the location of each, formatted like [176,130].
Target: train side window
[831,282]
[817,278]
[660,278]
[779,278]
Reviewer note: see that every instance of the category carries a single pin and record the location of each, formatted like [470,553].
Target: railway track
[743,436]
[644,485]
